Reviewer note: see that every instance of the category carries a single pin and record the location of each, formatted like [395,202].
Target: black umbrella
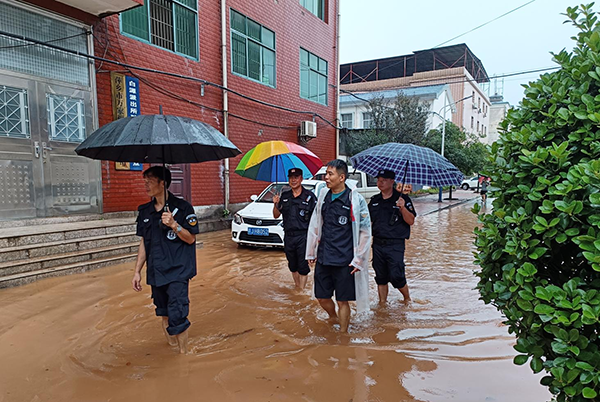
[157,139]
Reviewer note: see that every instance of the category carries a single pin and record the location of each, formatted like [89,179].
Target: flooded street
[90,337]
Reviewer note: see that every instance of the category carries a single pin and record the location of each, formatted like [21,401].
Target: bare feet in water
[170,338]
[182,341]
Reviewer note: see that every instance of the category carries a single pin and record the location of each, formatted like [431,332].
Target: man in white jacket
[339,241]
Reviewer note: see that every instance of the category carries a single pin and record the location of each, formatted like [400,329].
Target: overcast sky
[519,41]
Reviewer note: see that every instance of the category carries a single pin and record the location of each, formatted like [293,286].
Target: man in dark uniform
[392,214]
[296,206]
[168,249]
[336,262]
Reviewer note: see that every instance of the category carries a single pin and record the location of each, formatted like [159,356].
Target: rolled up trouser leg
[178,307]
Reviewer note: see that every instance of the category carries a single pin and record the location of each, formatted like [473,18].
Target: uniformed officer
[296,205]
[340,224]
[392,214]
[168,249]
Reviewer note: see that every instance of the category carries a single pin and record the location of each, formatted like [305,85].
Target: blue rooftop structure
[430,92]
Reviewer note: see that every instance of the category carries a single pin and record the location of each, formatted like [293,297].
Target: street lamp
[444,133]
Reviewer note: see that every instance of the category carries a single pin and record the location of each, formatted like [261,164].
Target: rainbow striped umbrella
[271,160]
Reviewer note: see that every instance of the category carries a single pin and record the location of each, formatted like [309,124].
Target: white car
[254,225]
[470,183]
[366,184]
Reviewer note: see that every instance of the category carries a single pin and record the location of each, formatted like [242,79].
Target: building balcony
[102,8]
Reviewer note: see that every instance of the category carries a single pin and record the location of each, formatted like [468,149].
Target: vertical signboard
[125,95]
[126,103]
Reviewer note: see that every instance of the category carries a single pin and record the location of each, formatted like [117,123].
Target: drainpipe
[337,91]
[225,100]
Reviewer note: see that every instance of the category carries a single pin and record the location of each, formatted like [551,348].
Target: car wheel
[464,186]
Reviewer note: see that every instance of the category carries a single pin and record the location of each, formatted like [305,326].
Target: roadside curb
[450,205]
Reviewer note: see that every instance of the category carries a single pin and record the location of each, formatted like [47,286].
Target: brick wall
[294,27]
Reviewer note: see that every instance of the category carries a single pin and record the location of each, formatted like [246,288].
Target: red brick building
[279,53]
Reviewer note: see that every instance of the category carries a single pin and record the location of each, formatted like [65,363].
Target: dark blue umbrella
[411,163]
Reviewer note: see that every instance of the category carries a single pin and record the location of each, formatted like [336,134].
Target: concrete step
[60,232]
[79,267]
[31,252]
[65,246]
[49,261]
[66,219]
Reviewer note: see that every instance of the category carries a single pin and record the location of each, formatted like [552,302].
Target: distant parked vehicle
[366,184]
[254,225]
[468,184]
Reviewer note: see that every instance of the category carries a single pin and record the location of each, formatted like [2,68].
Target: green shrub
[539,248]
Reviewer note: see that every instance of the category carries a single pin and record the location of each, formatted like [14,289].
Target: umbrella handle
[404,178]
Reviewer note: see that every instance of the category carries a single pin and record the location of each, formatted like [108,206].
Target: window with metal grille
[37,60]
[66,118]
[169,24]
[14,113]
[317,7]
[313,77]
[252,49]
[346,120]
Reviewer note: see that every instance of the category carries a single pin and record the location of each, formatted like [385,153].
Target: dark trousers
[388,263]
[330,279]
[294,246]
[171,300]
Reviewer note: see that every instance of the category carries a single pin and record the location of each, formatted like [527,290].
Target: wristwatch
[179,228]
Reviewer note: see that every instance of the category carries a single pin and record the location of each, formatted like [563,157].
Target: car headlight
[237,218]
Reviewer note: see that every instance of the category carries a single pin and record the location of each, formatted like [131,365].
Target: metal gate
[47,107]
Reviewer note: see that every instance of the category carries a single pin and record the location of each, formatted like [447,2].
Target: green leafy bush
[539,248]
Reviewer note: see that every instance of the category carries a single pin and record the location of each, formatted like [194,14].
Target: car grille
[264,222]
[271,238]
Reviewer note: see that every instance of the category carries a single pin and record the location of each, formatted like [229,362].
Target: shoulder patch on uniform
[192,219]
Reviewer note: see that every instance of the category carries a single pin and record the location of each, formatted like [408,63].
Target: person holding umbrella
[168,249]
[392,214]
[338,241]
[296,205]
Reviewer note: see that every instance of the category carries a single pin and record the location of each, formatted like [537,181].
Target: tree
[538,250]
[462,149]
[402,119]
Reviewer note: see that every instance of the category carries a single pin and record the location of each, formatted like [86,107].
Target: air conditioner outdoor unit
[308,129]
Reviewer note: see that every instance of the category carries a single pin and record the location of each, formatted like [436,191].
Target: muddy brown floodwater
[89,337]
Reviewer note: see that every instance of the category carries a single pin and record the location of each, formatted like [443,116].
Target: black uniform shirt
[168,258]
[386,218]
[336,246]
[296,211]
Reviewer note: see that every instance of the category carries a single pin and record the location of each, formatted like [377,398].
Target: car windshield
[267,195]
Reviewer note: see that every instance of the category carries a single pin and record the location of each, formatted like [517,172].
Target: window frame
[323,8]
[261,46]
[148,41]
[351,120]
[369,120]
[319,73]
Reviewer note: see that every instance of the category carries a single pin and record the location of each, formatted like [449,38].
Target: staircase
[33,249]
[40,248]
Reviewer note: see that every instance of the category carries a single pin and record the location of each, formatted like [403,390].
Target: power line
[49,41]
[456,37]
[486,23]
[166,73]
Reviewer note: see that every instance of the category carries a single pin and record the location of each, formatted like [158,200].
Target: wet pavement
[89,337]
